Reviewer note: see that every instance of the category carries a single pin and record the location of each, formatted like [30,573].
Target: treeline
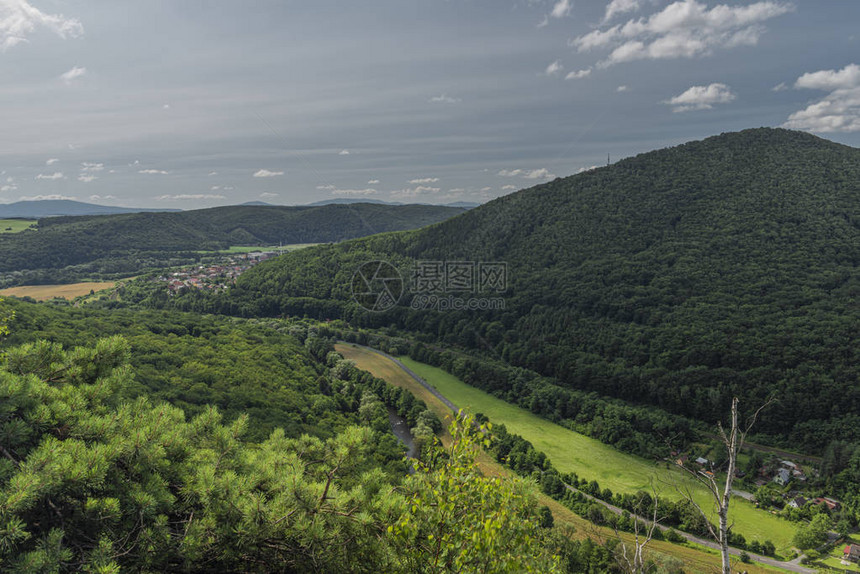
[643,431]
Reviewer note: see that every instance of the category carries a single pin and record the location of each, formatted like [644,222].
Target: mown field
[46,292]
[695,558]
[254,249]
[591,459]
[15,225]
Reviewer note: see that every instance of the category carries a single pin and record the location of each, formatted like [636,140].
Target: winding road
[793,566]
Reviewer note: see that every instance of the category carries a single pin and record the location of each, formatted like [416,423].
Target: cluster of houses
[214,277]
[851,553]
[800,502]
[787,472]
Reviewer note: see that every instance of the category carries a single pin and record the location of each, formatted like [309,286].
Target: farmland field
[695,558]
[46,292]
[591,459]
[253,249]
[16,225]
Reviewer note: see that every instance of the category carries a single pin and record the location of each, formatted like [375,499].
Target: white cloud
[52,176]
[683,29]
[373,182]
[621,89]
[584,169]
[847,77]
[561,9]
[354,192]
[617,7]
[554,69]
[343,152]
[215,188]
[51,161]
[267,173]
[444,99]
[326,187]
[49,197]
[73,74]
[780,87]
[90,166]
[508,187]
[413,192]
[701,98]
[541,173]
[211,173]
[578,74]
[838,111]
[268,195]
[153,171]
[425,180]
[9,187]
[187,196]
[101,197]
[87,178]
[18,19]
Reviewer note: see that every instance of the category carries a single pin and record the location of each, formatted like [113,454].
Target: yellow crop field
[45,292]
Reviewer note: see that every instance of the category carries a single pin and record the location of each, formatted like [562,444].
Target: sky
[178,104]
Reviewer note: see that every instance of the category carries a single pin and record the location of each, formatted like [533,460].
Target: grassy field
[46,292]
[695,558]
[591,459]
[246,249]
[15,225]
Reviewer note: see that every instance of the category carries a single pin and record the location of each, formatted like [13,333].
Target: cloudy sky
[162,103]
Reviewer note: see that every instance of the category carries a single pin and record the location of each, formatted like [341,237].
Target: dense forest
[71,248]
[677,278]
[100,473]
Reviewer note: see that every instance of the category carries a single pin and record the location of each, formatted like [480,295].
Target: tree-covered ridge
[91,481]
[680,278]
[111,240]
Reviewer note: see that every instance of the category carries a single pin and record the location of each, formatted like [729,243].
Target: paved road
[793,566]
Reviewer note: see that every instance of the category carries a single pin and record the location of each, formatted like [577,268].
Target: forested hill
[677,278]
[63,241]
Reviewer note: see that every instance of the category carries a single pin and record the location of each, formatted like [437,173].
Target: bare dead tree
[632,559]
[722,494]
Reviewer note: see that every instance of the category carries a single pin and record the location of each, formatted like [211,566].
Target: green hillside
[676,278]
[129,242]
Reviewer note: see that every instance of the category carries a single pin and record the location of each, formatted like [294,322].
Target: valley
[606,364]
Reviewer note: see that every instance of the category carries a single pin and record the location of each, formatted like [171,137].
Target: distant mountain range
[66,207]
[58,207]
[132,240]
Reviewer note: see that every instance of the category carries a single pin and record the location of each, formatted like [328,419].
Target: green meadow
[254,249]
[16,225]
[591,459]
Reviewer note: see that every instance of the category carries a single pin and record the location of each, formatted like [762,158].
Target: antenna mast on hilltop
[607,159]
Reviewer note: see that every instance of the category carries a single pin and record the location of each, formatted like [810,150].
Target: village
[788,489]
[216,276]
